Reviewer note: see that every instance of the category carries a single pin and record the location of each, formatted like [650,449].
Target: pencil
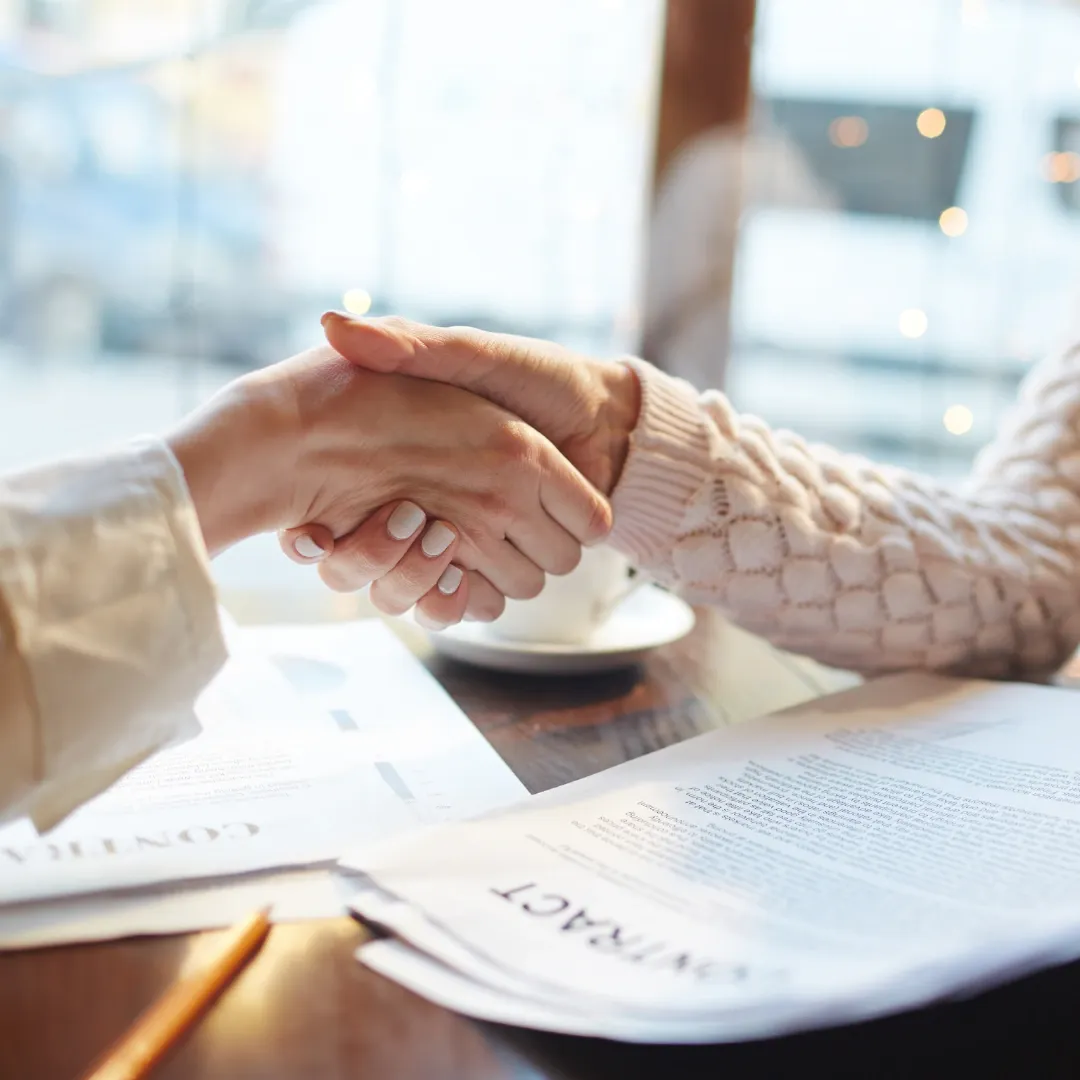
[158,1029]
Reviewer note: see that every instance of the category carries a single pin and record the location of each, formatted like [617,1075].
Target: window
[872,155]
[186,185]
[910,244]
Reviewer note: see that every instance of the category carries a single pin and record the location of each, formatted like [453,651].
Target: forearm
[108,624]
[235,460]
[862,567]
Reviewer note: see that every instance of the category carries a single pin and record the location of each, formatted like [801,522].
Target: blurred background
[860,219]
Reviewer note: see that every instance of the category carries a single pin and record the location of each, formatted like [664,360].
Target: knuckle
[469,337]
[413,580]
[513,444]
[389,600]
[417,572]
[488,607]
[527,586]
[335,577]
[439,608]
[358,563]
[494,512]
[565,560]
[403,586]
[485,602]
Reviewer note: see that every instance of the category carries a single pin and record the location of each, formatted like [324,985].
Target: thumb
[537,380]
[393,344]
[307,544]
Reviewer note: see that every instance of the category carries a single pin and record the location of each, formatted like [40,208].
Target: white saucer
[645,620]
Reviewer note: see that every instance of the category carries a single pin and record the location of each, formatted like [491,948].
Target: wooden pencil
[159,1028]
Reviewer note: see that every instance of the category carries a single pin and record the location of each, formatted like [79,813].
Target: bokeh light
[848,132]
[1062,168]
[931,123]
[913,322]
[958,419]
[357,301]
[954,221]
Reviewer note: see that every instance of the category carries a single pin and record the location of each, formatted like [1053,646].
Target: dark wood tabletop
[305,1007]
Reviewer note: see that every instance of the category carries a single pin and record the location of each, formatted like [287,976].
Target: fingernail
[436,540]
[428,623]
[305,546]
[336,316]
[405,520]
[450,580]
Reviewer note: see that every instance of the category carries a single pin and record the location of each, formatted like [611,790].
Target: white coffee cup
[570,607]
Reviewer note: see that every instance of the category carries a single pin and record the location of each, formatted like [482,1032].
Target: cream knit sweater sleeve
[859,565]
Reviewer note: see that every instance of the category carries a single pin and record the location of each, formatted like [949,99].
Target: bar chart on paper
[316,740]
[364,684]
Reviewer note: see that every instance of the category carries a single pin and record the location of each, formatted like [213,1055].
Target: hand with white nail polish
[436,540]
[352,467]
[307,547]
[586,407]
[408,566]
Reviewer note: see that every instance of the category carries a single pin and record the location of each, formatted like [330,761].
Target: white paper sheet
[316,737]
[915,837]
[173,908]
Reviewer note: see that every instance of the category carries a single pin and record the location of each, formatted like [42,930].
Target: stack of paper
[315,738]
[914,838]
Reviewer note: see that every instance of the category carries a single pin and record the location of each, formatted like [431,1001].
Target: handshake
[447,468]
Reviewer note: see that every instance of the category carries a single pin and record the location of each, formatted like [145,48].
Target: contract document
[909,839]
[314,738]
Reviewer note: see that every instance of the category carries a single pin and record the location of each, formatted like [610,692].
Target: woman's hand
[405,559]
[316,441]
[586,407]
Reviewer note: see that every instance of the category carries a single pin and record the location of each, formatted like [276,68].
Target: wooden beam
[698,185]
[706,71]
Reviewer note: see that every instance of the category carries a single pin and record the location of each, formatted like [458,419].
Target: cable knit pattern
[858,565]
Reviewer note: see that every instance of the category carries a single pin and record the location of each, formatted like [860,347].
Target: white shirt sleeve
[108,624]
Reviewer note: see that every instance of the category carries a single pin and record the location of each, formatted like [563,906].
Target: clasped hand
[432,494]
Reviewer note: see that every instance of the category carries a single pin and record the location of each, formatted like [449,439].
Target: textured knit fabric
[860,565]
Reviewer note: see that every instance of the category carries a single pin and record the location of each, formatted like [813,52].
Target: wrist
[230,452]
[619,415]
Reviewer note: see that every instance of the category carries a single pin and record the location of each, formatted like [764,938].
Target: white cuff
[107,586]
[668,461]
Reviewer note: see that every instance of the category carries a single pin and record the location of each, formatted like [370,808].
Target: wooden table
[306,1009]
